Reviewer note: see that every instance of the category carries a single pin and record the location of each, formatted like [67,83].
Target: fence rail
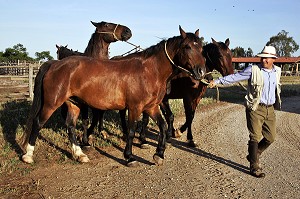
[17,82]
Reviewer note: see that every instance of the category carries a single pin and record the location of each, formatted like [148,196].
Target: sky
[40,25]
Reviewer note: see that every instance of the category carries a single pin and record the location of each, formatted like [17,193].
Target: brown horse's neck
[97,47]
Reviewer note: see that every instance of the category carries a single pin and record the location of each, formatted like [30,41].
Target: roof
[282,60]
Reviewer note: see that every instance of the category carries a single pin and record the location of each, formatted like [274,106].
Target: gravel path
[216,169]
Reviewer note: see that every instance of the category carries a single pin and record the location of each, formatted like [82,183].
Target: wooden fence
[17,81]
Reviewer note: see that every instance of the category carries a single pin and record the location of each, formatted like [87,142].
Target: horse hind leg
[33,128]
[73,113]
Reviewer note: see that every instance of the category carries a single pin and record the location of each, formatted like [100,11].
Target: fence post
[30,76]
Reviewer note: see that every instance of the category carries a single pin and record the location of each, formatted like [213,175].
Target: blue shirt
[268,95]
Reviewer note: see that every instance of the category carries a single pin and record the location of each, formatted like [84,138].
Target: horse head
[220,57]
[112,32]
[63,52]
[189,54]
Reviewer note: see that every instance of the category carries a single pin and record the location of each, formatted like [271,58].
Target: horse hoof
[27,159]
[177,133]
[132,163]
[83,159]
[191,143]
[158,160]
[145,146]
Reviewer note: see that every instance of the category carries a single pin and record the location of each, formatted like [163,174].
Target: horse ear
[94,23]
[197,32]
[214,41]
[227,42]
[182,33]
[66,46]
[57,46]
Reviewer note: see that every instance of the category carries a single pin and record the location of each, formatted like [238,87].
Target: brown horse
[137,83]
[218,57]
[105,34]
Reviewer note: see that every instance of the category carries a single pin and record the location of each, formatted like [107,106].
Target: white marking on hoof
[83,159]
[158,160]
[27,159]
[178,133]
[78,154]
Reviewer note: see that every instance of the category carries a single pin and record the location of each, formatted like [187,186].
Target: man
[263,95]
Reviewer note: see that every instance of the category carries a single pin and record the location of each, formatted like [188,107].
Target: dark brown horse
[105,34]
[218,57]
[137,83]
[64,51]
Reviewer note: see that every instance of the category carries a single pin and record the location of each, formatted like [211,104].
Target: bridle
[179,67]
[116,38]
[113,33]
[183,69]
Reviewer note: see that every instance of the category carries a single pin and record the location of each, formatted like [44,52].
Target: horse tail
[37,101]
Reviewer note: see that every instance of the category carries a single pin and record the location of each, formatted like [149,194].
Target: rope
[113,33]
[179,67]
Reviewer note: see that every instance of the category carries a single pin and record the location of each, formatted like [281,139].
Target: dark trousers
[261,122]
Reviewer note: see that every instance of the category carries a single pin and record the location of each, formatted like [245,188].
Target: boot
[262,146]
[255,170]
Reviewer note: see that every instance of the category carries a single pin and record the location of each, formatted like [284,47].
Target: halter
[113,33]
[179,67]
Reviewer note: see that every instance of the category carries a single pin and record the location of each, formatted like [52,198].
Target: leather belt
[265,105]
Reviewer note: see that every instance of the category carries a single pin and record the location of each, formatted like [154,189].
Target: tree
[238,52]
[284,45]
[17,52]
[43,56]
[249,52]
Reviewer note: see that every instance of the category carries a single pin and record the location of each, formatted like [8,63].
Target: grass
[53,144]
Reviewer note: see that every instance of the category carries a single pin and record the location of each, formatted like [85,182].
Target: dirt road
[216,169]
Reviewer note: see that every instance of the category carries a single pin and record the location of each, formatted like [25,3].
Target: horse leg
[158,157]
[190,108]
[142,137]
[34,127]
[84,109]
[97,114]
[169,116]
[123,122]
[132,123]
[73,113]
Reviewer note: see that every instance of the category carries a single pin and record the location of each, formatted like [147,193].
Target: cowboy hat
[268,51]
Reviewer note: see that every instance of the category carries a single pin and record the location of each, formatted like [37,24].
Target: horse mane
[95,46]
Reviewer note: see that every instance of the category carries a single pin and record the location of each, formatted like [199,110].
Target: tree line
[284,44]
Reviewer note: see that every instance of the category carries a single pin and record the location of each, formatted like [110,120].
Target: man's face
[267,62]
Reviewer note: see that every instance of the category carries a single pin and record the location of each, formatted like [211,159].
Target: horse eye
[187,47]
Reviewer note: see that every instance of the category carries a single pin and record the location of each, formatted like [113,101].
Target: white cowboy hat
[268,51]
